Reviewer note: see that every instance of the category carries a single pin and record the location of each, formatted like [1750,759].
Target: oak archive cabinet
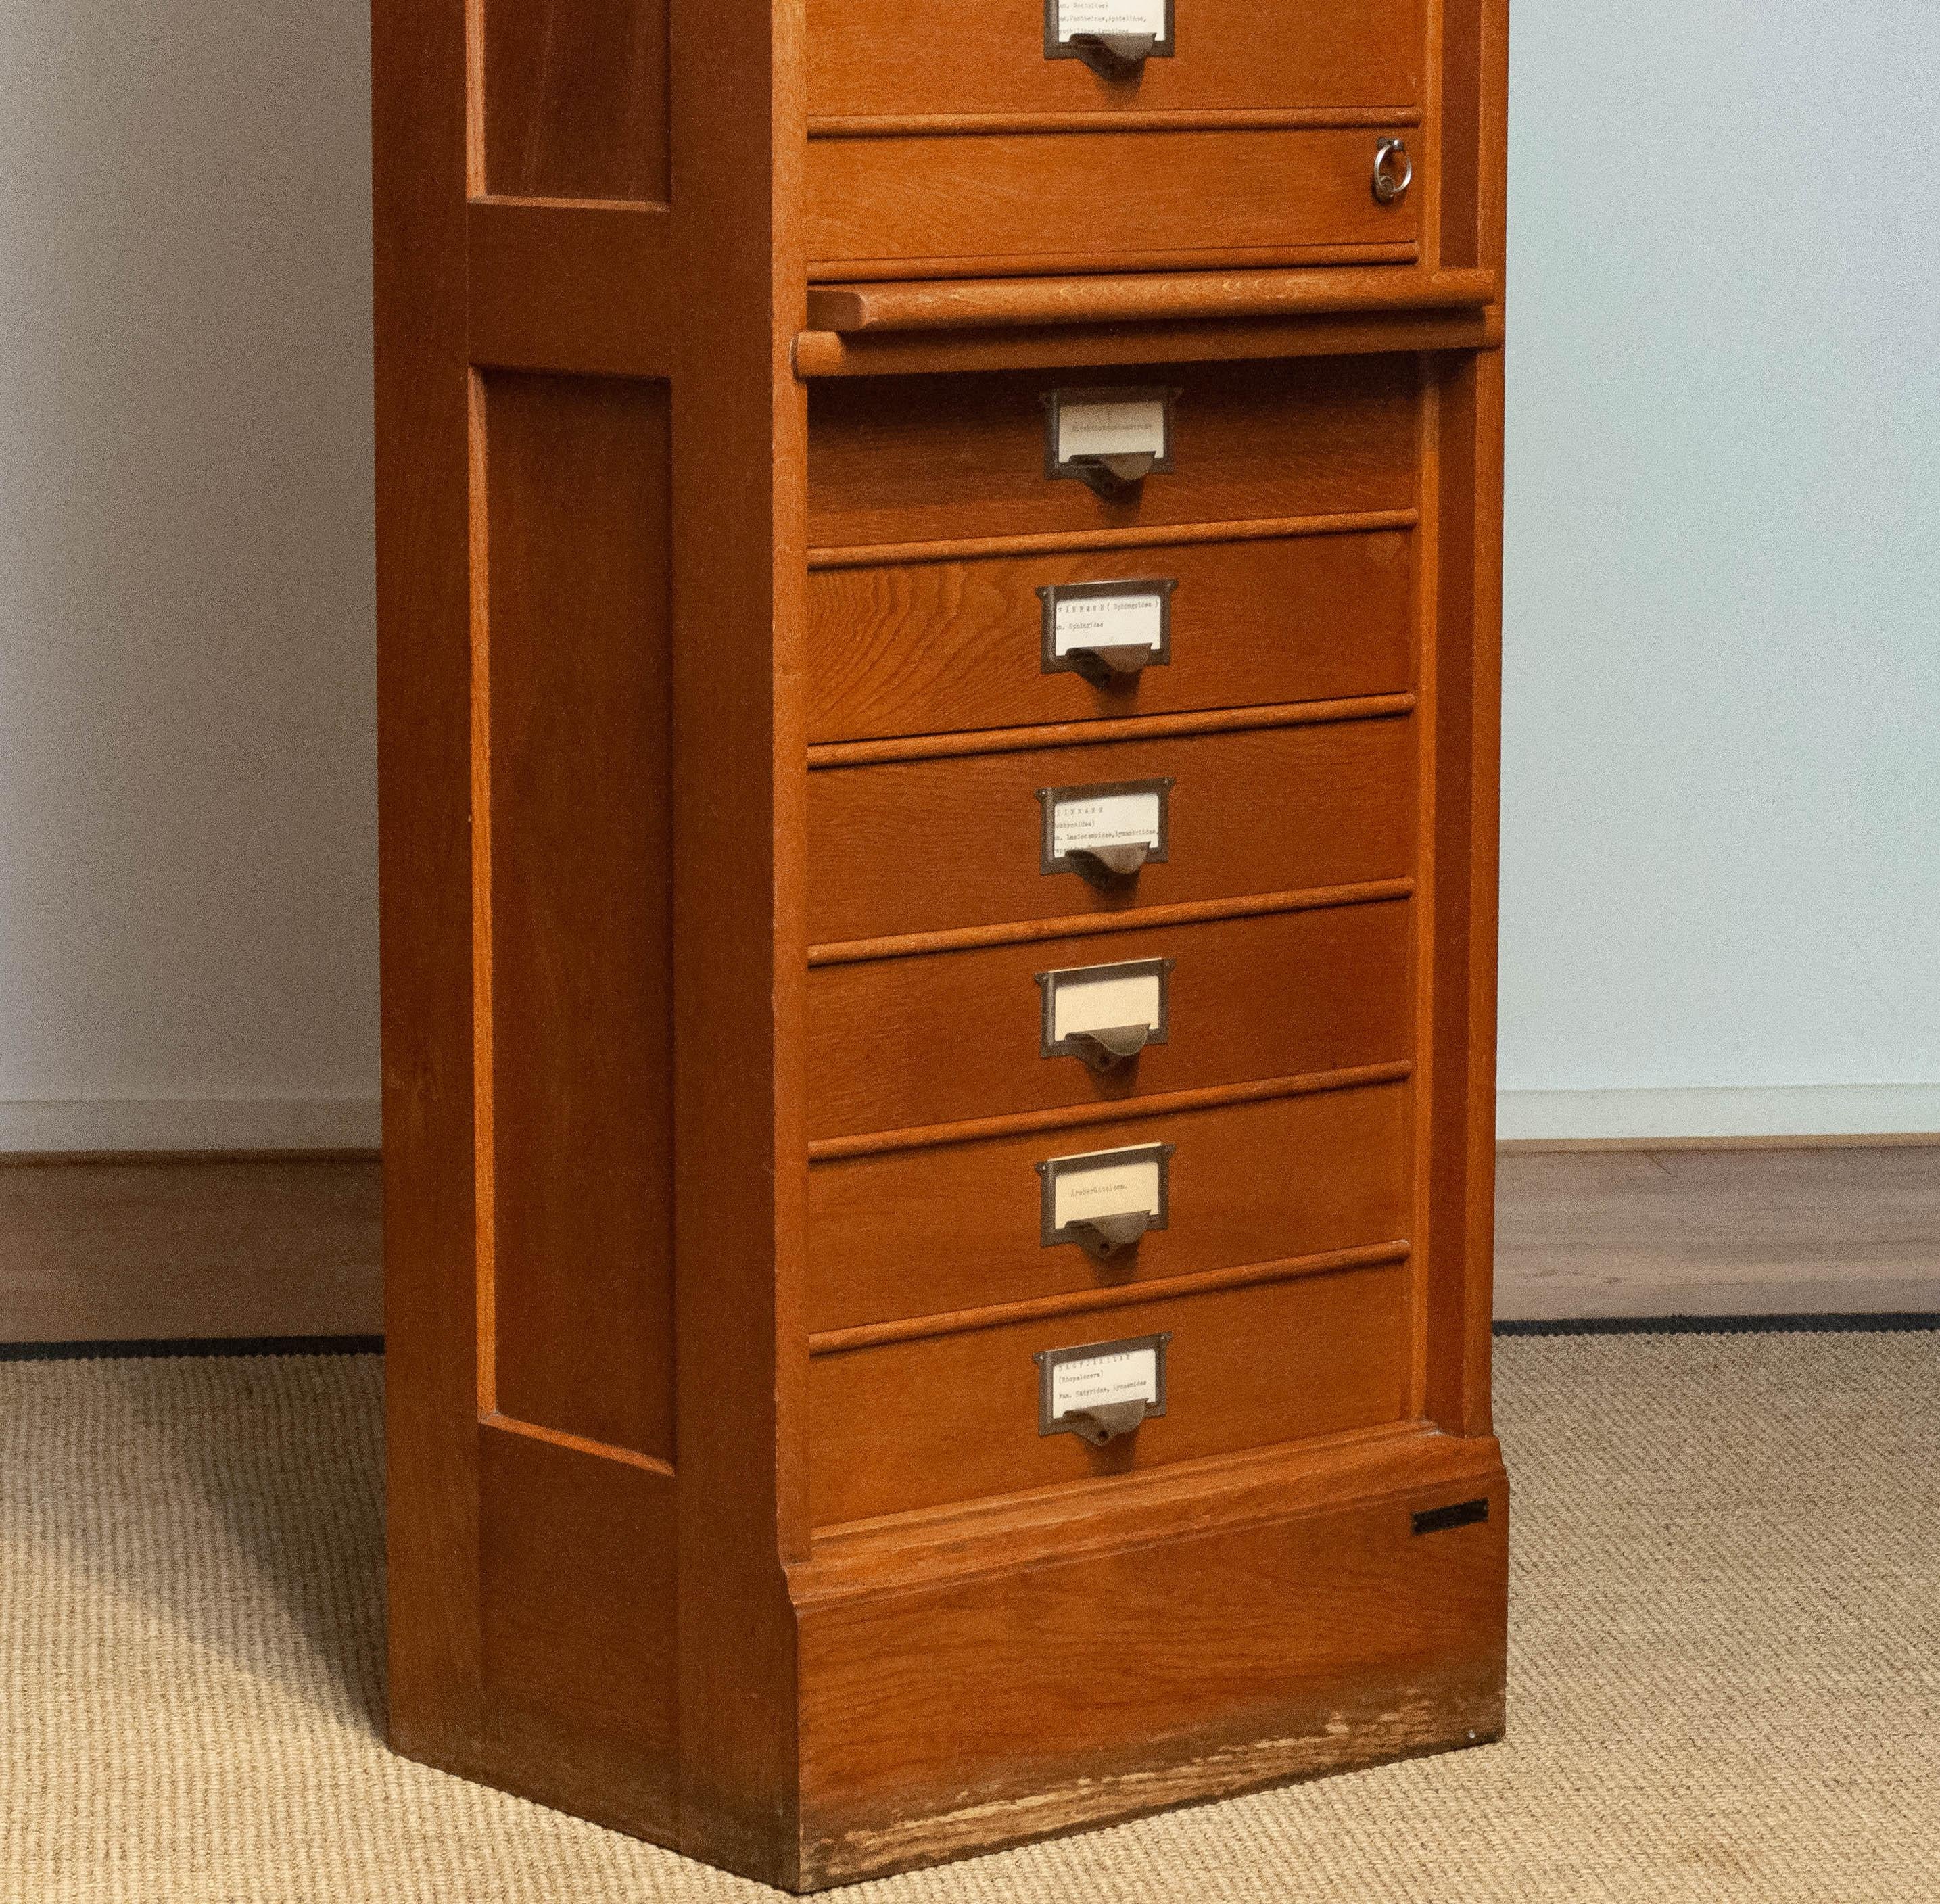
[939,574]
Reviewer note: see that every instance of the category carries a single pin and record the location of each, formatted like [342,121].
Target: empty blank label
[1106,998]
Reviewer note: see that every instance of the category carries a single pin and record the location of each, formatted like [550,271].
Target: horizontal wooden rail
[957,125]
[1089,925]
[1122,1295]
[1002,303]
[1086,734]
[969,548]
[1198,340]
[931,1136]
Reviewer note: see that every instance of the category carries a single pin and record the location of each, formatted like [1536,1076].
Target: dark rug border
[175,1348]
[1895,1324]
[186,1348]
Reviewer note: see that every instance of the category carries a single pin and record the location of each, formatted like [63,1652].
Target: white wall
[187,939]
[1721,781]
[1720,906]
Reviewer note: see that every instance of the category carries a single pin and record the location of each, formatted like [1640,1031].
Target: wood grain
[570,287]
[932,844]
[579,980]
[948,1418]
[1776,1231]
[925,1232]
[950,56]
[942,647]
[935,458]
[1002,203]
[897,353]
[999,303]
[575,101]
[1304,1632]
[913,1042]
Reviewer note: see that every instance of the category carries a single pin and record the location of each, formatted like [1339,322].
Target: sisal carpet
[1726,1671]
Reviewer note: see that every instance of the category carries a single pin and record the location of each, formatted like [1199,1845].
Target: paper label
[1117,1184]
[1109,621]
[1076,16]
[1084,823]
[1112,429]
[1106,999]
[1095,1381]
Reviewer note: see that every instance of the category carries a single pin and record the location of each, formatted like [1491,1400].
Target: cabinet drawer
[946,647]
[958,1227]
[920,459]
[926,845]
[1029,202]
[899,58]
[898,1043]
[942,1419]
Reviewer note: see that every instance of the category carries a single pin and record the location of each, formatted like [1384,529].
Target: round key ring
[1394,170]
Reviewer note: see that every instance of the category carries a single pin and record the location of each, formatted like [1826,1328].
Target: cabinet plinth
[939,684]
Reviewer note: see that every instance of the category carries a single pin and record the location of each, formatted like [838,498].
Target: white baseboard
[1764,1111]
[45,1127]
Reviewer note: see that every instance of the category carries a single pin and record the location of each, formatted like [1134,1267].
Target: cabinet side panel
[418,55]
[575,99]
[578,985]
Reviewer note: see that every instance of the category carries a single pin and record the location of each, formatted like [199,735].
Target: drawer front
[952,1418]
[927,845]
[895,1043]
[921,459]
[948,647]
[1029,202]
[1245,1183]
[902,58]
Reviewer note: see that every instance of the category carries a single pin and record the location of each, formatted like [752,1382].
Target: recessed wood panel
[955,1417]
[575,101]
[896,1043]
[930,846]
[1046,201]
[576,1560]
[903,57]
[957,1227]
[942,647]
[911,460]
[1210,1654]
[574,675]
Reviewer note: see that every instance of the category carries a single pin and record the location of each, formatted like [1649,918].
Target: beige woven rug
[1726,1679]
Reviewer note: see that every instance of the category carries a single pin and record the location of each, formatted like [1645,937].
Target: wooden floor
[136,1252]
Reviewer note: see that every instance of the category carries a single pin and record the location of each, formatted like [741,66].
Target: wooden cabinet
[939,586]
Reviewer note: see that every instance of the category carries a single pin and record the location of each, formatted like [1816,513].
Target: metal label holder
[1105,665]
[1096,866]
[1051,1235]
[1108,1423]
[1111,56]
[1108,475]
[1101,1050]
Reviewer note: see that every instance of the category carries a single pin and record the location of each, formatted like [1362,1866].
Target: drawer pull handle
[1394,170]
[1104,1237]
[1115,55]
[1106,1423]
[1106,1050]
[1114,475]
[1111,865]
[1102,666]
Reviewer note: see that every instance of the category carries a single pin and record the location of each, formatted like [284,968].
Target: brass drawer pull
[1115,55]
[1106,1050]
